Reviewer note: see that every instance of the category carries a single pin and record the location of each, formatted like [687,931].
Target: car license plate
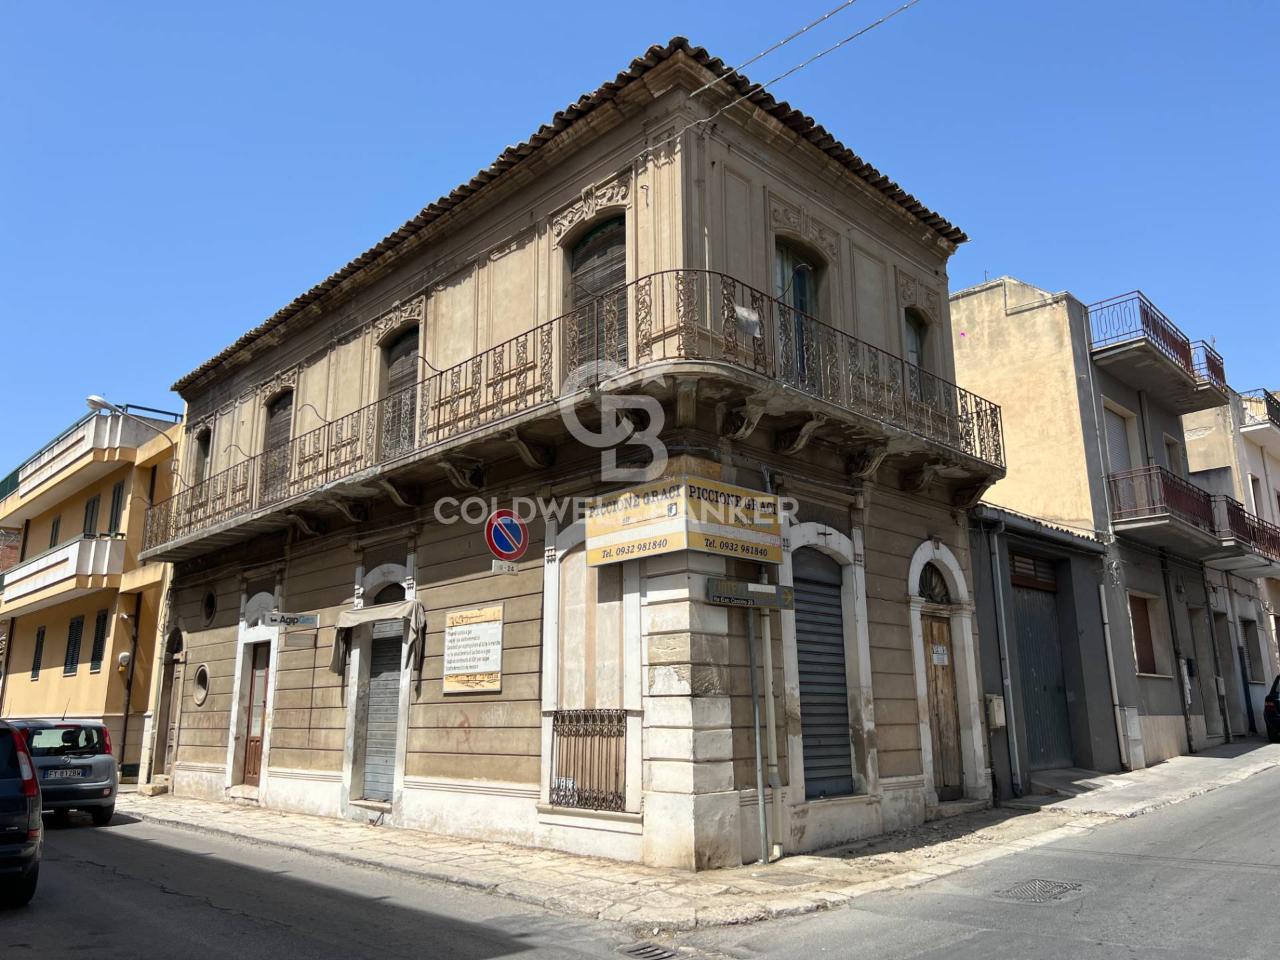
[68,773]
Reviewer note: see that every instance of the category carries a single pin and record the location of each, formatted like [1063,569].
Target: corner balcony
[1138,344]
[696,340]
[69,570]
[1261,421]
[1163,510]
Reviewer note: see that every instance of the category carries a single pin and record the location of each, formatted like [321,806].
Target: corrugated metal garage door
[824,689]
[381,708]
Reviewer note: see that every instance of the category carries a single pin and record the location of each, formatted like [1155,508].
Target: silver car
[74,766]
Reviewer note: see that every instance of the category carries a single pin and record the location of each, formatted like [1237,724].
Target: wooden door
[944,711]
[257,713]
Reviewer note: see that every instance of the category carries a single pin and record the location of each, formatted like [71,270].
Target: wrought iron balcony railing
[1239,524]
[1207,365]
[1131,316]
[670,316]
[1150,492]
[1260,407]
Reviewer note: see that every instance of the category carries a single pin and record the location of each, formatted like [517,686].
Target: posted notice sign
[473,650]
[684,513]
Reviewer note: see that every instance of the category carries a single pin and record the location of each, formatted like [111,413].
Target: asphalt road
[1196,880]
[144,890]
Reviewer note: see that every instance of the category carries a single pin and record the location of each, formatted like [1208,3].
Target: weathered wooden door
[944,712]
[257,713]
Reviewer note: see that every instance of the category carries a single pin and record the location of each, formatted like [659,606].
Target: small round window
[200,685]
[209,607]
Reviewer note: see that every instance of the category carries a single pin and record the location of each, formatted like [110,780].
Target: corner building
[783,308]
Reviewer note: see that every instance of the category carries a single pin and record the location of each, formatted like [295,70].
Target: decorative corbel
[794,439]
[465,473]
[299,522]
[401,498]
[913,481]
[863,462]
[352,511]
[535,455]
[969,495]
[740,422]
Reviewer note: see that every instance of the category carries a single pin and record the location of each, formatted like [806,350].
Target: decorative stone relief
[281,381]
[913,293]
[611,193]
[799,222]
[401,313]
[782,214]
[823,237]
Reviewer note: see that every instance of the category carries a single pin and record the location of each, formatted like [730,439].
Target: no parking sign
[506,535]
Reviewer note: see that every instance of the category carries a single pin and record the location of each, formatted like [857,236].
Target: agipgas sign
[684,513]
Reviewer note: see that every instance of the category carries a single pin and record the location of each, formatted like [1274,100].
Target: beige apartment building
[756,297]
[1234,451]
[79,609]
[1094,399]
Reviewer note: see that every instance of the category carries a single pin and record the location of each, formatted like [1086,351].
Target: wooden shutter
[1118,452]
[99,641]
[280,421]
[1143,645]
[200,456]
[1033,572]
[91,516]
[117,508]
[55,532]
[37,654]
[402,362]
[599,262]
[75,633]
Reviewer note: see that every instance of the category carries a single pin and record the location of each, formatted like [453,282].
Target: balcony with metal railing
[741,345]
[1260,420]
[1133,339]
[1161,509]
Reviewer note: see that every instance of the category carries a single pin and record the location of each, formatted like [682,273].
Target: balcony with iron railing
[1260,419]
[1161,509]
[690,323]
[1133,339]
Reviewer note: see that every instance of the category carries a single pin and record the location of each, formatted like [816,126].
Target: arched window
[796,276]
[915,338]
[277,452]
[400,407]
[597,298]
[933,586]
[391,593]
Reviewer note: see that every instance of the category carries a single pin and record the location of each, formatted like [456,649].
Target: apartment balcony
[67,571]
[1261,421]
[1138,344]
[88,450]
[741,350]
[1161,509]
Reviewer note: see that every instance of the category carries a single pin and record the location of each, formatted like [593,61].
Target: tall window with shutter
[597,298]
[75,632]
[91,516]
[55,532]
[200,455]
[1119,453]
[99,641]
[37,654]
[1144,648]
[277,450]
[400,405]
[117,508]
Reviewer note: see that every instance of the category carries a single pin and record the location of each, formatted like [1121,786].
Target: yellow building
[79,612]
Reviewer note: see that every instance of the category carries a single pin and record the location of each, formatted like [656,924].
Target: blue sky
[171,174]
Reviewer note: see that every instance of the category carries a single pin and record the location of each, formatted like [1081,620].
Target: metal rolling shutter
[1118,453]
[382,706]
[1044,687]
[824,689]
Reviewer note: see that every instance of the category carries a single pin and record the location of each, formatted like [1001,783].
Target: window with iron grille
[74,634]
[589,759]
[99,648]
[91,515]
[117,508]
[37,654]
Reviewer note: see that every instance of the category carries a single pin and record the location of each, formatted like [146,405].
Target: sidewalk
[656,900]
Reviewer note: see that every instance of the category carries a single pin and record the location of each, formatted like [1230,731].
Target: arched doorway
[940,666]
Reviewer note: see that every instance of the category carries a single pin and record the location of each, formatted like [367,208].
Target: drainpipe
[1177,649]
[1122,741]
[1219,685]
[1002,643]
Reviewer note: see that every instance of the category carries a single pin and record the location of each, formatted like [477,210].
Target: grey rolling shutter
[1118,453]
[380,718]
[824,690]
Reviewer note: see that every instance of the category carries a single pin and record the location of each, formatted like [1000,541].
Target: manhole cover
[648,951]
[1039,891]
[787,879]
